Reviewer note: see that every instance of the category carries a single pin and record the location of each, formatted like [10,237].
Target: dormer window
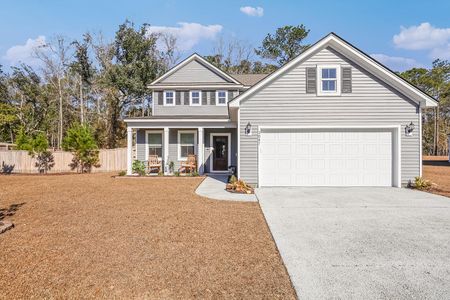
[328,80]
[169,98]
[195,98]
[222,98]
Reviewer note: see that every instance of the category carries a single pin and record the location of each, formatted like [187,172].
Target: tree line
[95,83]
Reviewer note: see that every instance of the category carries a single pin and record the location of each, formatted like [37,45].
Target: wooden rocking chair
[154,163]
[190,163]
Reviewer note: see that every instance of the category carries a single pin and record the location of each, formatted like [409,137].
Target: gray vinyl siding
[194,72]
[284,102]
[173,145]
[182,106]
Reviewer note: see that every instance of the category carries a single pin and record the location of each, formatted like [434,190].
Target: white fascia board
[193,87]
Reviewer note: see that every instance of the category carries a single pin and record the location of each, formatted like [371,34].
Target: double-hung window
[169,97]
[222,97]
[195,98]
[154,143]
[187,140]
[329,80]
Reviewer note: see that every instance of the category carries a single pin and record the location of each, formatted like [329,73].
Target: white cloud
[396,63]
[252,11]
[424,37]
[189,34]
[24,53]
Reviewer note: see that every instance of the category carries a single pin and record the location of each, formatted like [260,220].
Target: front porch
[215,147]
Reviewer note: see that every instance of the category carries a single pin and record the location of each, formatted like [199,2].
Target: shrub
[122,173]
[44,161]
[422,184]
[239,186]
[233,179]
[7,169]
[194,173]
[176,173]
[138,167]
[171,166]
[37,147]
[80,141]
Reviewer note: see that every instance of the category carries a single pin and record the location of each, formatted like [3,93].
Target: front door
[220,153]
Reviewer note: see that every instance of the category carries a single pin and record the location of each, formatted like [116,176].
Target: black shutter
[186,98]
[213,98]
[160,98]
[178,98]
[204,98]
[230,96]
[346,80]
[311,80]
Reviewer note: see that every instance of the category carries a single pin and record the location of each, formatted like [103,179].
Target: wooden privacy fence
[110,160]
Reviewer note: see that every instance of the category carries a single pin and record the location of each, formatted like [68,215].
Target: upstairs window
[169,98]
[222,97]
[328,80]
[195,98]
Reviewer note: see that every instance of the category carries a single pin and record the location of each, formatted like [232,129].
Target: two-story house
[333,116]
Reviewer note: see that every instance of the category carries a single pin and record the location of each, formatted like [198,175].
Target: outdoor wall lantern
[409,129]
[248,129]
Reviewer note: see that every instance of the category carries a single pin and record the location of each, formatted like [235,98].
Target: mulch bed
[92,236]
[437,170]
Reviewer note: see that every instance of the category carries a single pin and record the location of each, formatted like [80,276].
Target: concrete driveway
[361,243]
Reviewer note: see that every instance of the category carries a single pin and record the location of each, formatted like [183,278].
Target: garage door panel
[321,158]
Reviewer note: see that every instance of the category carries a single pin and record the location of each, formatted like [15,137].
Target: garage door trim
[396,143]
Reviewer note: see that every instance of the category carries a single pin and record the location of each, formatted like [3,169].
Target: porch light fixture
[248,129]
[409,129]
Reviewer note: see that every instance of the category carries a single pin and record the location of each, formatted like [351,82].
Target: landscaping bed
[91,236]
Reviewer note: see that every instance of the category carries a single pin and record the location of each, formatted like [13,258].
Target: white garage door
[325,158]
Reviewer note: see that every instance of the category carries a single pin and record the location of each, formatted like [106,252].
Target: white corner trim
[238,131]
[320,91]
[420,142]
[217,98]
[199,98]
[179,144]
[174,97]
[211,157]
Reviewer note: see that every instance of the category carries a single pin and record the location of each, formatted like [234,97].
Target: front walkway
[361,243]
[214,187]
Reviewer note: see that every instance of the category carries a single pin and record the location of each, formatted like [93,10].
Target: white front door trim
[211,157]
[396,155]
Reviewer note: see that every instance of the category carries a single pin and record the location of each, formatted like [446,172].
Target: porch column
[129,150]
[166,150]
[200,151]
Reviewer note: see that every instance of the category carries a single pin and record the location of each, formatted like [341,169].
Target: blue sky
[401,34]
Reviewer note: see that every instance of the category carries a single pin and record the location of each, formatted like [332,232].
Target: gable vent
[346,80]
[311,80]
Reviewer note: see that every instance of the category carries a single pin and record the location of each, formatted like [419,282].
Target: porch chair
[190,163]
[154,163]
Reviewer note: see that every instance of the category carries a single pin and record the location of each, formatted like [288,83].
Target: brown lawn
[93,236]
[437,169]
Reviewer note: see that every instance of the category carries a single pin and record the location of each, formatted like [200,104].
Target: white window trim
[320,92]
[174,98]
[179,144]
[147,144]
[217,98]
[199,98]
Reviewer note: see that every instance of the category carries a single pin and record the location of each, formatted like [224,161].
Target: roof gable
[195,69]
[354,54]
